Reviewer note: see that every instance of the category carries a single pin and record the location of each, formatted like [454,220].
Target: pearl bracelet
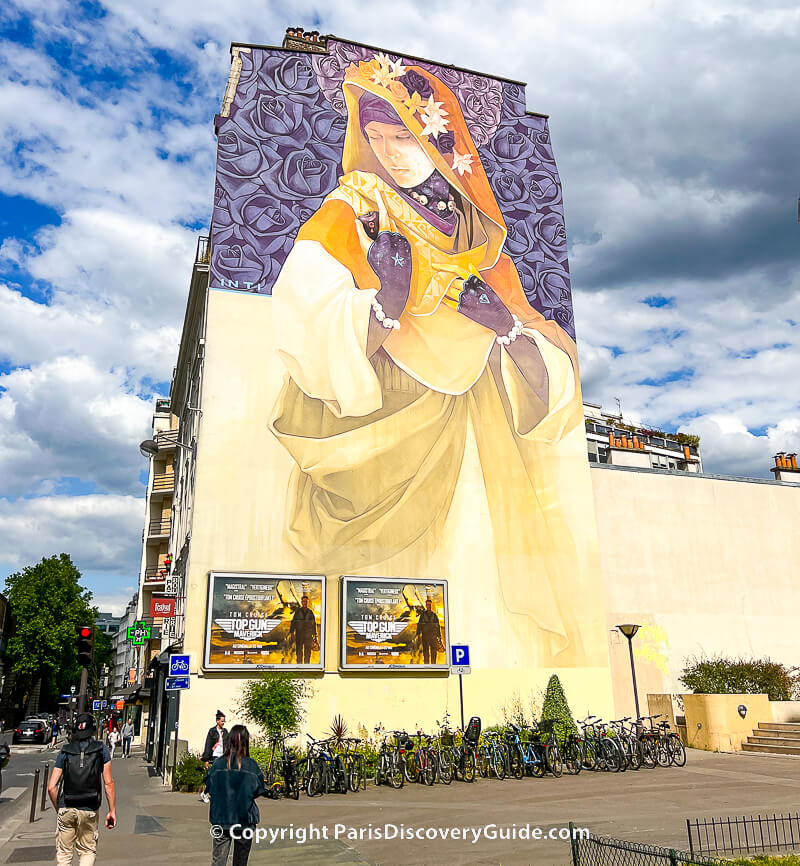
[387,323]
[512,335]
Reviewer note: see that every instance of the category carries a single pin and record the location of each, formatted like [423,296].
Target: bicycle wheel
[483,762]
[498,763]
[395,770]
[468,768]
[633,750]
[677,750]
[293,787]
[588,755]
[355,772]
[428,768]
[663,755]
[648,752]
[315,781]
[610,754]
[410,767]
[516,766]
[555,763]
[445,766]
[572,758]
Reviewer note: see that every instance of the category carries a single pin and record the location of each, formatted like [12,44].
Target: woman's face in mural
[400,154]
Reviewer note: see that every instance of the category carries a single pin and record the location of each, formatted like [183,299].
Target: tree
[275,703]
[47,603]
[555,708]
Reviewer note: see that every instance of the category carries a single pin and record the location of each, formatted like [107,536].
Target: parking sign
[459,655]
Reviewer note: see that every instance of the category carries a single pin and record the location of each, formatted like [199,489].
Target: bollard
[33,797]
[44,786]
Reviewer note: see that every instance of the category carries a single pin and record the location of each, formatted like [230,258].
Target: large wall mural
[404,222]
[280,154]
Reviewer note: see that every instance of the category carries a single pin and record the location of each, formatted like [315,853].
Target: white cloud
[674,134]
[99,532]
[68,418]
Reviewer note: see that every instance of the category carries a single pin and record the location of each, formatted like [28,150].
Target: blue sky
[674,127]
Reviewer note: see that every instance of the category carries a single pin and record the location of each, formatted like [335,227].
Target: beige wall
[705,564]
[237,525]
[713,721]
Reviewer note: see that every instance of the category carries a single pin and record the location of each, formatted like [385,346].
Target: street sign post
[95,706]
[103,704]
[459,664]
[175,684]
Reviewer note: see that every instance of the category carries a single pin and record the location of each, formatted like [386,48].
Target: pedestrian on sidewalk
[127,736]
[83,763]
[234,782]
[113,739]
[54,734]
[216,745]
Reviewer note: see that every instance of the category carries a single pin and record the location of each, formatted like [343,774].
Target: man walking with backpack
[83,763]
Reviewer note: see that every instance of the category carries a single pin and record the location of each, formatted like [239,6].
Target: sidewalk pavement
[157,826]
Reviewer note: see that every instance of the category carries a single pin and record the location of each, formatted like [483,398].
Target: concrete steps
[777,738]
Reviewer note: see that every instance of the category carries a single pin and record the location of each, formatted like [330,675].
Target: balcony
[664,442]
[167,438]
[155,574]
[159,528]
[164,482]
[203,251]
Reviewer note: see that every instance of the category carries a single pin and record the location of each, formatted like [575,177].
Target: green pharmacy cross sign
[138,633]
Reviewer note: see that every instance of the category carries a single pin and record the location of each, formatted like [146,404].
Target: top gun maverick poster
[264,620]
[401,224]
[394,623]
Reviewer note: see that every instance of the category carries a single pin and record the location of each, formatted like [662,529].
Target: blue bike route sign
[179,665]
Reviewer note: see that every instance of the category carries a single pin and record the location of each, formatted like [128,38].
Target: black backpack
[83,771]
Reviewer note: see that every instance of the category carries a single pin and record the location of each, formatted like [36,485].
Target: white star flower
[462,162]
[387,70]
[434,117]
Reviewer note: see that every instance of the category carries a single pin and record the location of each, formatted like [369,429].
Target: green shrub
[275,703]
[190,772]
[555,708]
[723,676]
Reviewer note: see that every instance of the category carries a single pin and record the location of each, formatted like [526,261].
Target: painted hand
[478,301]
[389,255]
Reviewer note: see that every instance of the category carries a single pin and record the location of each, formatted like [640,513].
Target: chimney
[785,468]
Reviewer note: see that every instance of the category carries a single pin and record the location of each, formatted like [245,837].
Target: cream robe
[398,479]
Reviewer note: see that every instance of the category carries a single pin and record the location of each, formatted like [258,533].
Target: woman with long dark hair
[233,783]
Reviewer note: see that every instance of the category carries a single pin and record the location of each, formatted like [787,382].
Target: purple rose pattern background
[279,153]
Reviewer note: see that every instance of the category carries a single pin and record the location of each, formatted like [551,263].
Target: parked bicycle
[325,771]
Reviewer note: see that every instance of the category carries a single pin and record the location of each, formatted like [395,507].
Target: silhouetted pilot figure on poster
[304,629]
[429,633]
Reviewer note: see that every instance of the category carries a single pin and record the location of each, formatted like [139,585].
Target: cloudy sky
[675,128]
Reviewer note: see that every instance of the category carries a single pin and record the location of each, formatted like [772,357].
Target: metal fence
[605,851]
[748,835]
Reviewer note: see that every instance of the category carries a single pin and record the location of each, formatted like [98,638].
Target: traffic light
[85,645]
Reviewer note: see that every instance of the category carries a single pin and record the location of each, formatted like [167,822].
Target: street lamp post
[629,630]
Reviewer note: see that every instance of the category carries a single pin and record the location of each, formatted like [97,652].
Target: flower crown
[415,92]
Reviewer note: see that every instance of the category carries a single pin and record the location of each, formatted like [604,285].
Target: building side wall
[706,565]
[239,511]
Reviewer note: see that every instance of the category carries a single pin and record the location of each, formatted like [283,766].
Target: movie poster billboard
[265,621]
[394,623]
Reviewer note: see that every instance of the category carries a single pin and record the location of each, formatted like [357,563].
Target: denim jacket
[233,792]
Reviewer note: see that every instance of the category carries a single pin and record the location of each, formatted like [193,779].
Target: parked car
[5,754]
[30,731]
